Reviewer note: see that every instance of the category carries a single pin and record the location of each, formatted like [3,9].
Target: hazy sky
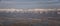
[29,4]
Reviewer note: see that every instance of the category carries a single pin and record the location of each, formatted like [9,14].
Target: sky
[29,4]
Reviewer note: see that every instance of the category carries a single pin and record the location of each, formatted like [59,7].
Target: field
[22,19]
[22,22]
[49,18]
[54,21]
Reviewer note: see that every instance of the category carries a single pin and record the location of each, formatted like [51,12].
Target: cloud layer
[29,4]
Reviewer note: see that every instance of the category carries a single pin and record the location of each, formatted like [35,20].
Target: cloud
[29,4]
[10,4]
[0,0]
